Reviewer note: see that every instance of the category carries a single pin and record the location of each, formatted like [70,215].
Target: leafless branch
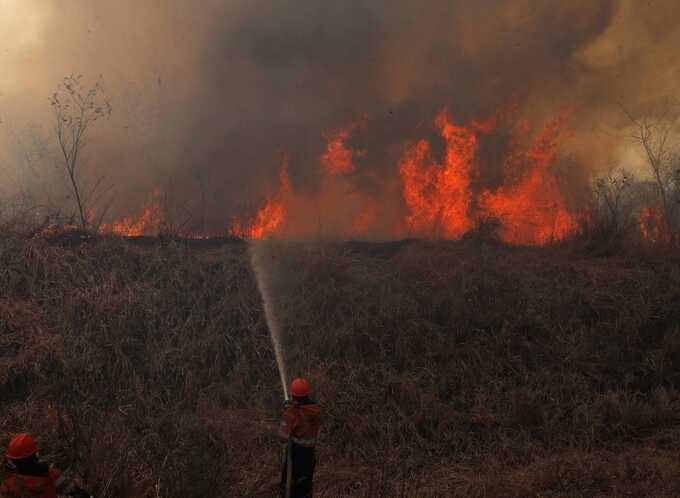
[76,108]
[653,133]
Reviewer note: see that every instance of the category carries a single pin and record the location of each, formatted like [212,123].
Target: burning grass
[427,193]
[446,369]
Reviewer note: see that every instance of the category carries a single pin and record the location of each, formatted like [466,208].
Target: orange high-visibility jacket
[301,424]
[19,486]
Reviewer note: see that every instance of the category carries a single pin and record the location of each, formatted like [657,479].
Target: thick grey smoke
[208,96]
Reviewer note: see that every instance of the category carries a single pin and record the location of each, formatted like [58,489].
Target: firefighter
[28,477]
[298,430]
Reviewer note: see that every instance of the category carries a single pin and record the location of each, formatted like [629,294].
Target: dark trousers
[304,463]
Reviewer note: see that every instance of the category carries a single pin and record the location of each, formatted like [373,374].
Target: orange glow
[148,223]
[653,226]
[532,211]
[438,196]
[445,197]
[366,218]
[338,158]
[270,217]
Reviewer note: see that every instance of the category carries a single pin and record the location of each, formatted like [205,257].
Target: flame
[338,162]
[337,209]
[532,211]
[444,198]
[148,223]
[366,219]
[653,225]
[338,158]
[270,217]
[439,196]
[441,201]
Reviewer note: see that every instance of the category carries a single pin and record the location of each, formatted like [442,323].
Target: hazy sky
[208,95]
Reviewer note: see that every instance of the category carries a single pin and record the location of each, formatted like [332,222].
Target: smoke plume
[208,98]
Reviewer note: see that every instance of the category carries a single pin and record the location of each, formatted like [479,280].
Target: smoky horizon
[354,119]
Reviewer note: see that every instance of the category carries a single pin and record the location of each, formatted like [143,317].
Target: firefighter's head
[300,389]
[21,448]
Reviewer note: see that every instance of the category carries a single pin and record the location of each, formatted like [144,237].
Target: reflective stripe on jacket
[300,423]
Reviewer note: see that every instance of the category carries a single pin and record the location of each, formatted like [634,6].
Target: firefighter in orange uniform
[28,477]
[299,430]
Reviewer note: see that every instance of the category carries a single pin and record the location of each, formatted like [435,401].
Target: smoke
[208,98]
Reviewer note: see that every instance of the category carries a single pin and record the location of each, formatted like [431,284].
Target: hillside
[461,369]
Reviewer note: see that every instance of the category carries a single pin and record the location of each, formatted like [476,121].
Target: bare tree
[76,108]
[654,132]
[612,190]
[675,175]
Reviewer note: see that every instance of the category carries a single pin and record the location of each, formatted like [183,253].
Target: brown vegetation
[466,369]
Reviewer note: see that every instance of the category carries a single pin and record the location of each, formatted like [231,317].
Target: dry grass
[463,369]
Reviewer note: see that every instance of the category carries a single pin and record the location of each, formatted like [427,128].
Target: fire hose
[287,456]
[289,467]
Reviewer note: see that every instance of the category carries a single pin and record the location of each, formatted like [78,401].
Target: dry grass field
[451,369]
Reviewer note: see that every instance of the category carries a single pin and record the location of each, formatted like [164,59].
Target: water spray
[258,254]
[258,258]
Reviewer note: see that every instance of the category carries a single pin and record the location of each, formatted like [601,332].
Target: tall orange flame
[441,202]
[439,196]
[443,197]
[270,217]
[533,211]
[338,158]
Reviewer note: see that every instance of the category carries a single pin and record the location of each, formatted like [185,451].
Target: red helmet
[21,446]
[300,388]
